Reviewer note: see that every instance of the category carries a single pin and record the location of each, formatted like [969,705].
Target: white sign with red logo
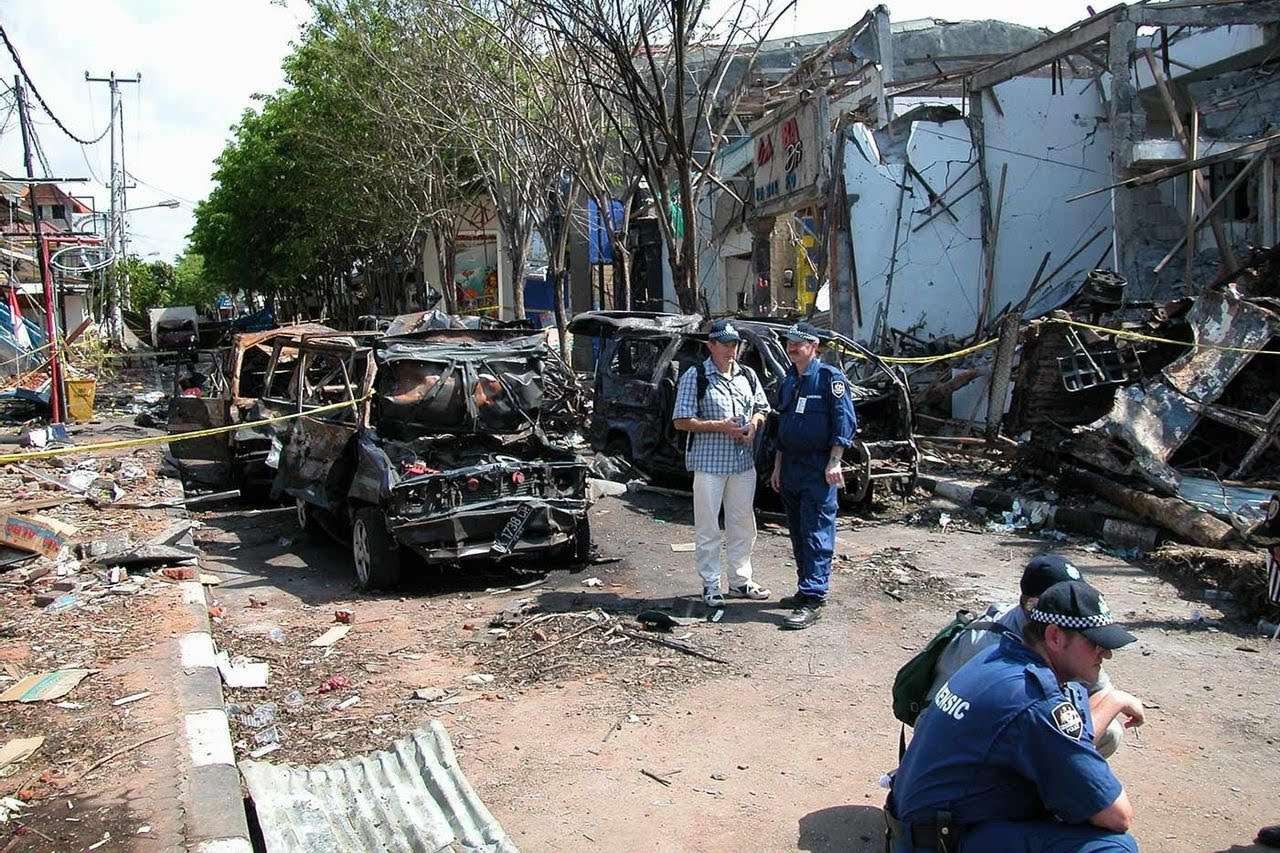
[788,156]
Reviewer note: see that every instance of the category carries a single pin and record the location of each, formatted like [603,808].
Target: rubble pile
[86,581]
[897,573]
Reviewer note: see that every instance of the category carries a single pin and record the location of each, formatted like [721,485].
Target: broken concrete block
[152,555]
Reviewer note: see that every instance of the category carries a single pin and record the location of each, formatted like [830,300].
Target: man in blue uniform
[815,425]
[1041,573]
[1003,759]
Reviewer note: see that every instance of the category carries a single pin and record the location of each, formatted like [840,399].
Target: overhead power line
[32,86]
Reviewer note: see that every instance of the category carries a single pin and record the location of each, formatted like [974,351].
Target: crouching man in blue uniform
[815,424]
[1004,757]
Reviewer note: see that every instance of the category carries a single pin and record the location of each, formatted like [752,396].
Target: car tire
[856,503]
[306,517]
[375,553]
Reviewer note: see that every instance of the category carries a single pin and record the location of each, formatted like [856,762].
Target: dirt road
[783,748]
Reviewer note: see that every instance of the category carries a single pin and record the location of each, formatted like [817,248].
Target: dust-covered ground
[563,714]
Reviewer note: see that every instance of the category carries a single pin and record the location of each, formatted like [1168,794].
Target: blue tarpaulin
[599,247]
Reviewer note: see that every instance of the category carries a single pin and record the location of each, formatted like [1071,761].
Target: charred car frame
[233,386]
[442,452]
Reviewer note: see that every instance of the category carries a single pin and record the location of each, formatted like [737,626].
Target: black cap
[1079,607]
[1046,570]
[803,332]
[722,331]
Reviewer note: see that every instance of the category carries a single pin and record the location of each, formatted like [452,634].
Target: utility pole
[41,251]
[117,236]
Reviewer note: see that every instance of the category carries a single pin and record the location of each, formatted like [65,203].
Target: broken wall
[931,291]
[1055,145]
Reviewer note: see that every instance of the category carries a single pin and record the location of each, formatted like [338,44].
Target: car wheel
[374,551]
[856,501]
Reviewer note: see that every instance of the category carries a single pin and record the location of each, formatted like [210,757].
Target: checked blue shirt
[728,396]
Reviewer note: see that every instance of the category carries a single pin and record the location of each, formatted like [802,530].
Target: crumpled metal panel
[1241,505]
[411,797]
[1154,421]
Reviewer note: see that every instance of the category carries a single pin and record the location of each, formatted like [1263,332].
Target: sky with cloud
[201,64]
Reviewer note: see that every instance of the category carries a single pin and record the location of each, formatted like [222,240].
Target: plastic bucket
[80,394]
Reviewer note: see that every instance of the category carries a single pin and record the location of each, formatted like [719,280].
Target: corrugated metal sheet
[411,797]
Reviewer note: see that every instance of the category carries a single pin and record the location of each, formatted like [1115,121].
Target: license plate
[510,534]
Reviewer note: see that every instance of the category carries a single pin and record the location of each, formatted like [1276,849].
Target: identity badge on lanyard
[800,401]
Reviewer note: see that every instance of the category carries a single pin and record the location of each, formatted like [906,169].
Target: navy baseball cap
[803,333]
[722,331]
[1079,607]
[1046,570]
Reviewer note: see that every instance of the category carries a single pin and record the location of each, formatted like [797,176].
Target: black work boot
[801,600]
[800,618]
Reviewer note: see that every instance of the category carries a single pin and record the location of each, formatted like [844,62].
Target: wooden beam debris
[1205,14]
[1071,40]
[1217,202]
[934,198]
[1192,148]
[986,306]
[1190,143]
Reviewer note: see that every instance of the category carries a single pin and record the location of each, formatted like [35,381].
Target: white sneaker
[751,590]
[711,596]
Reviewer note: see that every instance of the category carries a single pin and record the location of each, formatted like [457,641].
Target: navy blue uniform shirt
[815,413]
[1004,740]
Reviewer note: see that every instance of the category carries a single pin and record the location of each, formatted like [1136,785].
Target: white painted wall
[1054,146]
[935,277]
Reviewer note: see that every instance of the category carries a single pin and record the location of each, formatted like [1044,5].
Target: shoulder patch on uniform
[1068,720]
[837,388]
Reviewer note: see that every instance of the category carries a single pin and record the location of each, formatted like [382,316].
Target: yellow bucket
[80,399]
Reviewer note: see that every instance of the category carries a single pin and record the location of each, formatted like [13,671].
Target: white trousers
[736,493]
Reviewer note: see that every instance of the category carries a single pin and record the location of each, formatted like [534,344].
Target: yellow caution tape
[1139,336]
[922,359]
[131,443]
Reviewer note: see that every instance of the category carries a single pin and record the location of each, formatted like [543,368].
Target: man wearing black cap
[1003,759]
[721,404]
[1041,573]
[815,424]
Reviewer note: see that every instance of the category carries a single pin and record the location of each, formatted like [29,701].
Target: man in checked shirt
[721,405]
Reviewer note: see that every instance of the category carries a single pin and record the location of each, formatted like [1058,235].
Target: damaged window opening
[1239,207]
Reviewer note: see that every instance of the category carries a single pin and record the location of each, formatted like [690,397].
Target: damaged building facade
[939,175]
[1064,238]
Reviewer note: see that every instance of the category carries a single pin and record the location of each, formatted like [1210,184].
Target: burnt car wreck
[642,357]
[243,383]
[443,453]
